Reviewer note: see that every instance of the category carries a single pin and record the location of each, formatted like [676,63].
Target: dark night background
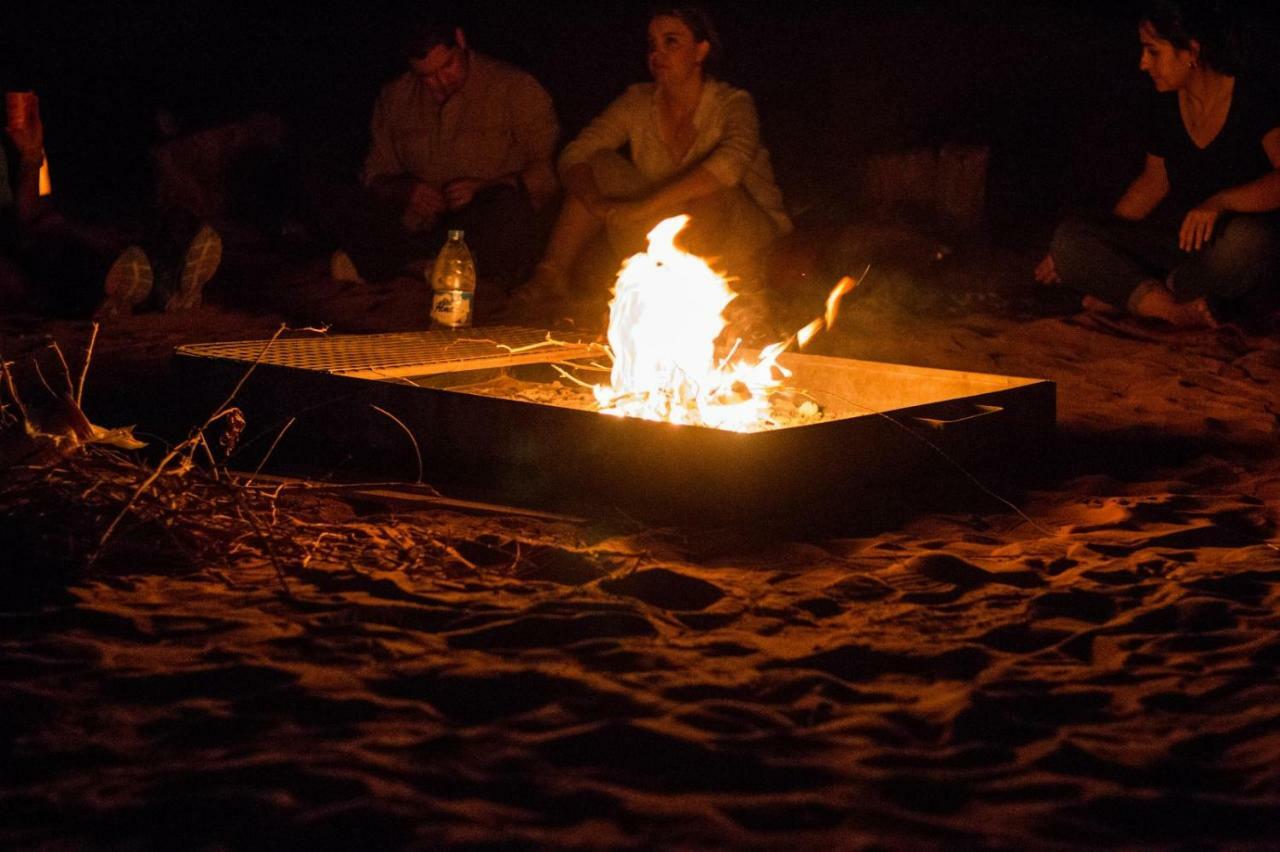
[1050,86]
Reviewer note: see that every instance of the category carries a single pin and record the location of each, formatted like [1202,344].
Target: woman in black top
[1198,226]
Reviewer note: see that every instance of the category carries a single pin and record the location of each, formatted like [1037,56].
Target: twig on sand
[183,449]
[195,515]
[203,444]
[66,370]
[221,409]
[257,470]
[13,388]
[248,515]
[84,369]
[142,488]
[416,449]
[40,375]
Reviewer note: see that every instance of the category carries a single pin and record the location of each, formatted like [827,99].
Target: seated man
[459,141]
[56,265]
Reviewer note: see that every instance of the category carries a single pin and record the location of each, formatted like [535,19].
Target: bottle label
[451,308]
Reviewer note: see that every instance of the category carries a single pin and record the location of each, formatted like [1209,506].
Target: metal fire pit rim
[685,474]
[573,350]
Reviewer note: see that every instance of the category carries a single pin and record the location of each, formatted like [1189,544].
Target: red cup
[21,108]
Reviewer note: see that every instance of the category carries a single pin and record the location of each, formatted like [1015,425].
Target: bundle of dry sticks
[77,497]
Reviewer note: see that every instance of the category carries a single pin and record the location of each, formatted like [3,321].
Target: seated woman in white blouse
[693,147]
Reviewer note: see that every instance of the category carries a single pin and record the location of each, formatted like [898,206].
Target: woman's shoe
[203,255]
[127,285]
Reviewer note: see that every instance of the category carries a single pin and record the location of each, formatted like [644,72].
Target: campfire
[666,322]
[673,419]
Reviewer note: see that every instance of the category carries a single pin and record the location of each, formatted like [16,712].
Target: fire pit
[672,419]
[492,413]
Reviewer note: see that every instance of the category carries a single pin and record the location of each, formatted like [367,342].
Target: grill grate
[415,353]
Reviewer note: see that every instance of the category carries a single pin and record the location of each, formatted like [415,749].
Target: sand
[1104,673]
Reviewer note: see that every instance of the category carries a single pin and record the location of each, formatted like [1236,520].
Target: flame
[804,335]
[46,185]
[665,318]
[843,287]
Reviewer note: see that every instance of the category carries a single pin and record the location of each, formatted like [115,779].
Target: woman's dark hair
[702,27]
[1206,22]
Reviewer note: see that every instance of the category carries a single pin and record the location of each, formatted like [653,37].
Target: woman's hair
[702,27]
[1204,21]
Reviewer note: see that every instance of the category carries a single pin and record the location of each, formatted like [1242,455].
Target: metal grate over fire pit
[487,416]
[415,353]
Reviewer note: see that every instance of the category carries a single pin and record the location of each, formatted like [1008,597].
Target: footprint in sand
[561,566]
[945,568]
[665,589]
[1077,604]
[860,587]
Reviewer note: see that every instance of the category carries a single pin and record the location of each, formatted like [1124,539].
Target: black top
[1234,157]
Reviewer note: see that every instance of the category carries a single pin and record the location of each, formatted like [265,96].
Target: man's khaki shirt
[500,122]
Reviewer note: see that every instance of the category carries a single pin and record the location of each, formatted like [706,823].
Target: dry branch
[86,505]
[84,370]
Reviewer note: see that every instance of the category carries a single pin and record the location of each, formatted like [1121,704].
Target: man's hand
[28,137]
[459,192]
[426,203]
[1047,272]
[1197,227]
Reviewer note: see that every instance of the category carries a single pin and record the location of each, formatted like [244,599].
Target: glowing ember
[664,320]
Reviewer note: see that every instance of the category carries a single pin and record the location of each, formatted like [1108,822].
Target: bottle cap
[455,235]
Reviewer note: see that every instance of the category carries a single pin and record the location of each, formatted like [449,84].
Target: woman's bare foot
[544,293]
[1046,272]
[1094,305]
[1153,299]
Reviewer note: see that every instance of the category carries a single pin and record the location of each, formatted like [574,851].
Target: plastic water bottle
[453,284]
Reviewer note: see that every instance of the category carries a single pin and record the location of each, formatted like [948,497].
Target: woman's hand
[624,213]
[1197,226]
[598,206]
[614,212]
[1046,272]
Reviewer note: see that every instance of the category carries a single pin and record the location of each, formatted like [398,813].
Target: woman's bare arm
[1146,192]
[1143,195]
[580,182]
[694,184]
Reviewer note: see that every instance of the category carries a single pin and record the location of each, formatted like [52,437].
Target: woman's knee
[1248,242]
[1075,237]
[1243,257]
[616,176]
[728,224]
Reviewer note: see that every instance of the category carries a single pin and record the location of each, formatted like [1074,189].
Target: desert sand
[1099,668]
